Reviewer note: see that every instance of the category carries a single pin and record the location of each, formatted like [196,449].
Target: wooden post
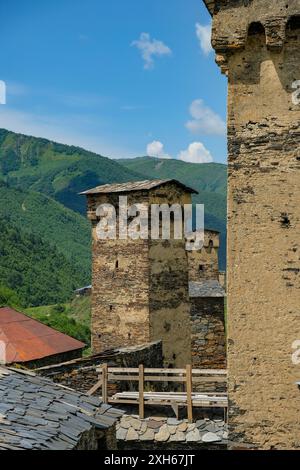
[95,387]
[104,383]
[141,391]
[189,387]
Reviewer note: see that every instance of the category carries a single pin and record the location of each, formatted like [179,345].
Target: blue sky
[117,77]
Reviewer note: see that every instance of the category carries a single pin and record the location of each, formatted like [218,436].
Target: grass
[71,318]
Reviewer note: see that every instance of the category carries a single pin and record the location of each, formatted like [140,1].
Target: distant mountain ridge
[39,185]
[56,170]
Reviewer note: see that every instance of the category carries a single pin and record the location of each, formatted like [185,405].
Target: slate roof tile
[36,413]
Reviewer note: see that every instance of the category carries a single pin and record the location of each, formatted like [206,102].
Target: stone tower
[140,287]
[257,43]
[204,263]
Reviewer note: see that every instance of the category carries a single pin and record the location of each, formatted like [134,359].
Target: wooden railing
[187,376]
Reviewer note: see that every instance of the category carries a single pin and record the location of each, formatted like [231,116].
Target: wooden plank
[167,371]
[189,389]
[210,379]
[141,391]
[95,387]
[104,382]
[148,378]
[181,393]
[166,403]
[156,378]
[118,370]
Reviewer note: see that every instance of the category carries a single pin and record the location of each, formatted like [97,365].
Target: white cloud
[205,120]
[150,48]
[196,153]
[156,149]
[204,35]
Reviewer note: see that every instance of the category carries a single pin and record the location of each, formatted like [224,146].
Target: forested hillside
[34,268]
[45,249]
[56,170]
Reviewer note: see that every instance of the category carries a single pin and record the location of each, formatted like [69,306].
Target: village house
[28,342]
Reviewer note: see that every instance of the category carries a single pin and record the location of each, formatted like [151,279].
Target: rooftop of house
[209,288]
[145,185]
[26,339]
[36,413]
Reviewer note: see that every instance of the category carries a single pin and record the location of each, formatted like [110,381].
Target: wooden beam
[117,370]
[141,392]
[104,383]
[95,387]
[189,388]
[147,378]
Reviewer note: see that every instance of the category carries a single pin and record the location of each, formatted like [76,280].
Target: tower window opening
[256,28]
[210,246]
[293,23]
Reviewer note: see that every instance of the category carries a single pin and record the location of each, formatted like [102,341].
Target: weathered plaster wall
[168,289]
[263,219]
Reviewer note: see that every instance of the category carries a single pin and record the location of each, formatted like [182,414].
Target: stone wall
[171,434]
[96,439]
[204,263]
[258,46]
[208,333]
[140,287]
[120,280]
[81,374]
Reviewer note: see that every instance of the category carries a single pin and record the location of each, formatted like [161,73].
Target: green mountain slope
[209,179]
[34,268]
[41,198]
[40,215]
[56,170]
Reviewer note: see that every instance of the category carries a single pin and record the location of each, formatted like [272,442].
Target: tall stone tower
[257,43]
[204,263]
[140,287]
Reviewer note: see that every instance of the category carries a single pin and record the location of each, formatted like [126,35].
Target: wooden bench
[143,375]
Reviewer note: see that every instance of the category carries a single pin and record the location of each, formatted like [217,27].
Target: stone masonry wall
[120,280]
[208,333]
[258,45]
[204,263]
[140,287]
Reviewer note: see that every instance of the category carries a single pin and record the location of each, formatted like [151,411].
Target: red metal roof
[26,339]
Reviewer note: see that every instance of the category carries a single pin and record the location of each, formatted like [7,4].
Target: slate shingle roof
[36,413]
[206,289]
[27,339]
[145,185]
